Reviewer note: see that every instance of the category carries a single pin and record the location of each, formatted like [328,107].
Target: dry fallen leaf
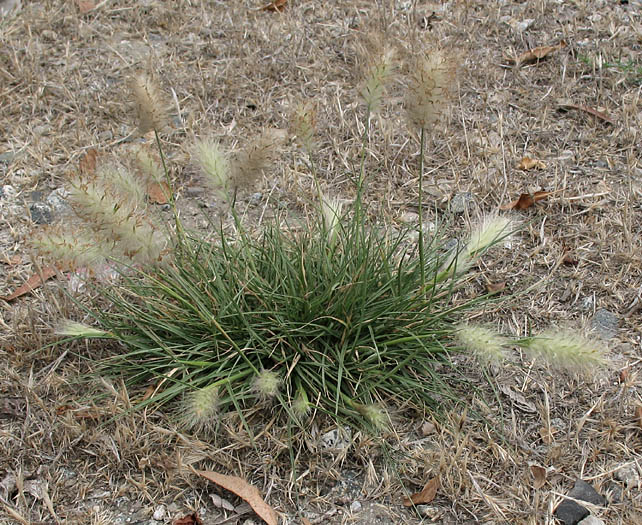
[528,164]
[546,434]
[638,413]
[427,494]
[536,54]
[495,287]
[87,163]
[158,193]
[275,6]
[88,413]
[245,491]
[306,521]
[427,428]
[190,519]
[526,200]
[569,258]
[84,6]
[11,260]
[624,374]
[32,283]
[581,107]
[539,475]
[518,399]
[221,503]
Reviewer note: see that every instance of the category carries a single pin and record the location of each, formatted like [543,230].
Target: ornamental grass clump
[344,317]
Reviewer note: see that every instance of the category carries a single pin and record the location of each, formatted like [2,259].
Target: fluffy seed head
[124,184]
[266,384]
[374,414]
[130,231]
[566,349]
[257,156]
[199,408]
[151,109]
[70,249]
[429,89]
[303,125]
[331,210]
[148,167]
[215,166]
[301,405]
[379,73]
[69,328]
[489,230]
[487,345]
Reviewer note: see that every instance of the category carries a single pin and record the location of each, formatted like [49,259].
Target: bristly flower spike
[303,125]
[486,344]
[267,384]
[566,349]
[378,75]
[215,166]
[429,89]
[199,408]
[151,109]
[257,156]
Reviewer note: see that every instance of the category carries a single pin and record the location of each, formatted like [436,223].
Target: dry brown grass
[234,70]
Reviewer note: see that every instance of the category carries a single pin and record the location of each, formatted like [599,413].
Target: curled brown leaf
[426,495]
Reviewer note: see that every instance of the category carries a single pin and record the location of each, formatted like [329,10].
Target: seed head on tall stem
[429,89]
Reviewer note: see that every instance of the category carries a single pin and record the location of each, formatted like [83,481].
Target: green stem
[172,195]
[362,171]
[422,262]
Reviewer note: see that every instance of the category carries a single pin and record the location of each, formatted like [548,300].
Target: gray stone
[605,323]
[614,493]
[337,439]
[57,200]
[628,475]
[585,492]
[41,213]
[462,202]
[255,198]
[591,520]
[194,191]
[355,506]
[571,513]
[430,512]
[159,513]
[7,157]
[7,192]
[8,7]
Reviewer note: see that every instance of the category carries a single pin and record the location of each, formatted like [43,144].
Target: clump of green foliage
[343,317]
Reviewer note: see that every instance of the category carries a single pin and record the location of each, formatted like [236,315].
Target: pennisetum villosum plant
[342,318]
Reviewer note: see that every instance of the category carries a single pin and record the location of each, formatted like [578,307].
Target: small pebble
[338,438]
[462,202]
[57,200]
[159,513]
[605,323]
[255,198]
[591,520]
[40,213]
[410,217]
[355,506]
[194,191]
[627,474]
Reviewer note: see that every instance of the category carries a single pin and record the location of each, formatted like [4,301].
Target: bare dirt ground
[230,70]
